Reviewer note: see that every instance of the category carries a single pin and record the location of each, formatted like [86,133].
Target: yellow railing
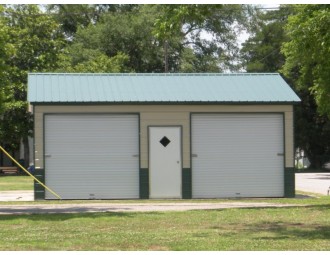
[19,165]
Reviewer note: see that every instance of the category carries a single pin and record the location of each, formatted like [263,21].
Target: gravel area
[129,207]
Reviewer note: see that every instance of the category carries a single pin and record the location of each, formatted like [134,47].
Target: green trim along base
[289,182]
[186,183]
[39,190]
[144,183]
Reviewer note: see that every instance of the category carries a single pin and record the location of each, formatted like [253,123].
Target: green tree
[201,38]
[119,34]
[262,53]
[35,42]
[71,17]
[77,59]
[308,51]
[312,130]
[208,34]
[5,52]
[307,63]
[131,34]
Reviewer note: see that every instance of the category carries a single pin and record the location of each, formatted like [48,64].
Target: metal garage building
[128,136]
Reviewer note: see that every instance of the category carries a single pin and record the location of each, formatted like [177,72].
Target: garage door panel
[92,156]
[237,155]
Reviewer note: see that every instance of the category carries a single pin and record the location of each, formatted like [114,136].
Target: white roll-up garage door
[92,156]
[237,155]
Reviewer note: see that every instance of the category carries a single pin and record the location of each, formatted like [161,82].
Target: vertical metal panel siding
[237,155]
[92,156]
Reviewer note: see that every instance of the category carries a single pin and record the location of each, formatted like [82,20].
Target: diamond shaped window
[165,141]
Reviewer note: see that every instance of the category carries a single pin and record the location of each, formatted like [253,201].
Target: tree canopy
[32,43]
[308,51]
[155,38]
[208,34]
[262,53]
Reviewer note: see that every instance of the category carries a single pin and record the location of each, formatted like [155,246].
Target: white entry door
[165,162]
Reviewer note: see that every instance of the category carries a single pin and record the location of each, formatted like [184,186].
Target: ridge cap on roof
[157,74]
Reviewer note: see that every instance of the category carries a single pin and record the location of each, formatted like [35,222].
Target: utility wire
[273,51]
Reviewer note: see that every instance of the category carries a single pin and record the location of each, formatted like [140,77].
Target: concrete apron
[313,182]
[16,195]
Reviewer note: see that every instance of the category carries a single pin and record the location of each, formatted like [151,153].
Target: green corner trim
[186,183]
[144,183]
[289,182]
[39,190]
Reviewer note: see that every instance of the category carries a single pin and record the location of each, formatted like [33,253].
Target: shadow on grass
[284,230]
[68,216]
[319,207]
[273,231]
[280,230]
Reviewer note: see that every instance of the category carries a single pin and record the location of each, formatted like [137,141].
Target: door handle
[280,154]
[48,155]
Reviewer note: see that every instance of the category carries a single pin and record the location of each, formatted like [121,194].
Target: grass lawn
[294,228]
[13,182]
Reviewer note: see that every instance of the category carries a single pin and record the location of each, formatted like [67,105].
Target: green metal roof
[159,88]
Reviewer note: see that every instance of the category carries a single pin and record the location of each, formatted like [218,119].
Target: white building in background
[301,161]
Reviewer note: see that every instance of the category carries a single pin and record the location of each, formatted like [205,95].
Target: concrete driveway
[17,195]
[313,182]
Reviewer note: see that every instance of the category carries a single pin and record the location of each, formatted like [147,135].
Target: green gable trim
[39,190]
[289,182]
[186,183]
[144,183]
[163,103]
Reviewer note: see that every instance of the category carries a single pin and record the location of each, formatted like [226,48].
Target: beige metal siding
[289,138]
[162,115]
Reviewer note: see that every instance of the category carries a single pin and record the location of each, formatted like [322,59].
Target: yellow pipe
[29,173]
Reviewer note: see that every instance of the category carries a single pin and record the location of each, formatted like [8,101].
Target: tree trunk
[26,151]
[166,55]
[1,156]
[13,154]
[316,162]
